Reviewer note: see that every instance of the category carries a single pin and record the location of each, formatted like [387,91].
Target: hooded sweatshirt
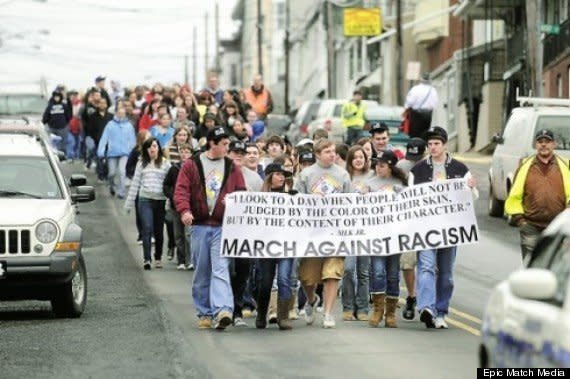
[118,137]
[57,114]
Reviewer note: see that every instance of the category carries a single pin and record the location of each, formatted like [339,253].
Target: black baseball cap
[276,167]
[378,128]
[415,149]
[436,132]
[238,146]
[217,133]
[387,156]
[307,157]
[544,133]
[99,79]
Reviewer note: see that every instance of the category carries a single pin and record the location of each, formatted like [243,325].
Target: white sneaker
[440,323]
[157,264]
[302,312]
[190,267]
[181,267]
[240,323]
[310,311]
[328,321]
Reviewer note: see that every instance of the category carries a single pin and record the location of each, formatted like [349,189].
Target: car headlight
[46,232]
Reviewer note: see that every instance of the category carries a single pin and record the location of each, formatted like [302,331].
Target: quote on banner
[276,225]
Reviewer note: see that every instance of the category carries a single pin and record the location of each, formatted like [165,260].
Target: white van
[517,142]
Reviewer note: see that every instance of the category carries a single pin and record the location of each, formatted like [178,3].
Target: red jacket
[190,192]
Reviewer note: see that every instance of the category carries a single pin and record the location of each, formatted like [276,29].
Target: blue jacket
[118,139]
[163,139]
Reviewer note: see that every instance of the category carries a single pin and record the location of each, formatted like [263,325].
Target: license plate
[3,269]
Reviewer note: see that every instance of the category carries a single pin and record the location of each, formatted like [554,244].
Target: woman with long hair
[385,271]
[134,157]
[147,185]
[192,108]
[275,181]
[150,115]
[355,281]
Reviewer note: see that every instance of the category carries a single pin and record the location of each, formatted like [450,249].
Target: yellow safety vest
[514,202]
[353,115]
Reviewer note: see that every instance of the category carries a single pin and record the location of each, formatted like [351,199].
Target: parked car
[391,116]
[329,118]
[13,105]
[40,240]
[277,124]
[517,142]
[527,318]
[299,128]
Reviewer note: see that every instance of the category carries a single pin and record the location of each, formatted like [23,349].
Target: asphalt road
[142,324]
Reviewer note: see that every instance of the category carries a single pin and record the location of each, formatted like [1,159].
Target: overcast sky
[135,41]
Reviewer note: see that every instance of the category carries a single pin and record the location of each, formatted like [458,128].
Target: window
[28,177]
[559,126]
[280,16]
[233,75]
[563,10]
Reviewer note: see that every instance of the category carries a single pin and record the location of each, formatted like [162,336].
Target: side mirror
[533,284]
[498,139]
[83,194]
[77,180]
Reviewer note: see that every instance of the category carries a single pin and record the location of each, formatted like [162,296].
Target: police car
[527,319]
[40,240]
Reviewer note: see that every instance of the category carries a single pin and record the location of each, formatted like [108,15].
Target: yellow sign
[362,22]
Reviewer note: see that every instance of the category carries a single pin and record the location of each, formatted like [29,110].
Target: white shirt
[422,93]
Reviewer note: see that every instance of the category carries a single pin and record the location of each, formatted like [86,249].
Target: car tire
[496,206]
[71,297]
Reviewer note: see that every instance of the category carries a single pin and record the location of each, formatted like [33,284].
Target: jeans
[211,289]
[182,247]
[191,253]
[152,219]
[385,275]
[529,238]
[266,271]
[239,274]
[73,150]
[138,219]
[117,174]
[61,144]
[90,151]
[352,135]
[355,284]
[434,284]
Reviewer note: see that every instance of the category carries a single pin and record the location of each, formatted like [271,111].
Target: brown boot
[378,302]
[272,316]
[293,314]
[283,315]
[391,305]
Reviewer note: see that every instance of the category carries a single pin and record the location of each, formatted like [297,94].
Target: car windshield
[560,126]
[28,177]
[22,104]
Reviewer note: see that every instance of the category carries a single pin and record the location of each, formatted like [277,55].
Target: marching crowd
[184,152]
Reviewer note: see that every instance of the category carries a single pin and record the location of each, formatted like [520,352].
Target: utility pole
[194,57]
[206,58]
[217,56]
[331,69]
[185,69]
[399,79]
[533,20]
[287,47]
[259,39]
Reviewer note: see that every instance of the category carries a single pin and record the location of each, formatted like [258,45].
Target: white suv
[40,241]
[517,142]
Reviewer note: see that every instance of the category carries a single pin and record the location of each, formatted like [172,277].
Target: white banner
[275,225]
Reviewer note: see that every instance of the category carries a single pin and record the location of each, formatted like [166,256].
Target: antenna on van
[540,101]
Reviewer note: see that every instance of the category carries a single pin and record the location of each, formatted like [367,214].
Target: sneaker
[170,253]
[302,312]
[272,318]
[223,320]
[204,322]
[310,311]
[181,266]
[157,264]
[348,316]
[320,309]
[409,313]
[440,323]
[247,313]
[112,192]
[146,265]
[328,321]
[190,267]
[139,242]
[427,318]
[240,323]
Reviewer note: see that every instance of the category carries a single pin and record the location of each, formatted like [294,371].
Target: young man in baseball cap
[435,290]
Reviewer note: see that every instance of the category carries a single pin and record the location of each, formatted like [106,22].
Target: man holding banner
[323,178]
[202,185]
[434,290]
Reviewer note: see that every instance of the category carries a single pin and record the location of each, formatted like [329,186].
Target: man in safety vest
[259,97]
[541,190]
[353,117]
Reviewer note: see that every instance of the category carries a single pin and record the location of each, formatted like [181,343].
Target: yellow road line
[463,326]
[465,316]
